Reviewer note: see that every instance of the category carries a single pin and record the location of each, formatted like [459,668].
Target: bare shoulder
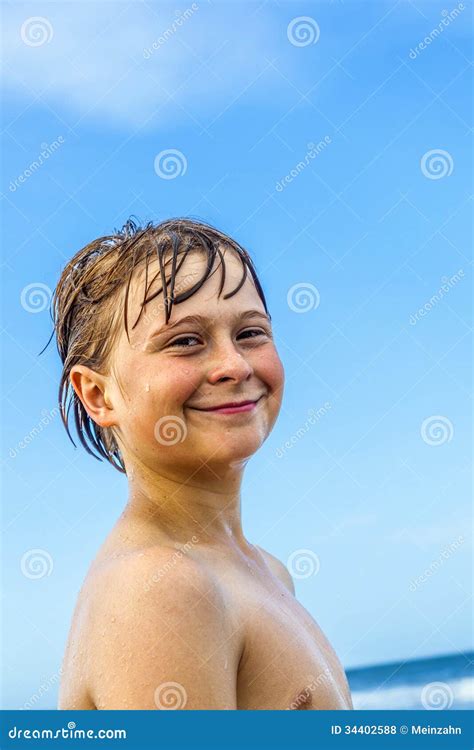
[157,575]
[278,569]
[158,633]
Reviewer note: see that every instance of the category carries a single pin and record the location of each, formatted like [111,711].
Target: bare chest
[288,662]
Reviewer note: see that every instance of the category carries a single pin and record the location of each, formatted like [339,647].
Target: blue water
[442,682]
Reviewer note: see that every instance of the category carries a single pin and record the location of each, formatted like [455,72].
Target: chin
[227,451]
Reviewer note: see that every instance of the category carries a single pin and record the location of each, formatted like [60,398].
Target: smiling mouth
[231,408]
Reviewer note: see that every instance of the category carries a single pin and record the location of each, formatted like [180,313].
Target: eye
[182,342]
[254,333]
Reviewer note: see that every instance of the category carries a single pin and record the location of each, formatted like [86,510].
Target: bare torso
[268,649]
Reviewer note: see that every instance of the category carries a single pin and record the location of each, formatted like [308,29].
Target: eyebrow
[200,319]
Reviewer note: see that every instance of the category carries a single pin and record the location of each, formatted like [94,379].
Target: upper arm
[279,570]
[166,645]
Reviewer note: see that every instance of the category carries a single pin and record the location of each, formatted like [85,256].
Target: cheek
[269,368]
[181,381]
[169,389]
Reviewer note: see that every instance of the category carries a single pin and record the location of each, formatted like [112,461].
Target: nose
[229,364]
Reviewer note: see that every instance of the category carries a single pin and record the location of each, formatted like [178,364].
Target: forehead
[203,302]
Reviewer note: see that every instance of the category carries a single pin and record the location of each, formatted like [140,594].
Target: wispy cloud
[430,534]
[135,64]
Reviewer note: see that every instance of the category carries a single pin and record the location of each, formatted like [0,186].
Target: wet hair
[86,311]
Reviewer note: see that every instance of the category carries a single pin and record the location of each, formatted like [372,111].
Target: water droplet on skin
[113,619]
[147,387]
[225,664]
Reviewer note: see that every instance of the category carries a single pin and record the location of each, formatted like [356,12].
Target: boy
[171,370]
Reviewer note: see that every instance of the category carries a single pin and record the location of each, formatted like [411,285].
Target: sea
[436,683]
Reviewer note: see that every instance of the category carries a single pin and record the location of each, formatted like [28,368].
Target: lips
[229,405]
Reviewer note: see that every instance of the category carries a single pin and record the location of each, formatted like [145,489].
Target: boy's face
[162,380]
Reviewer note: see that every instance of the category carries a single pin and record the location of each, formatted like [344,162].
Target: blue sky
[369,229]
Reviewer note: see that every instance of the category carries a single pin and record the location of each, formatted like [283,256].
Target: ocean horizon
[432,683]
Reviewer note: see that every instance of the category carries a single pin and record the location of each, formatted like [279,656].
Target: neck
[204,506]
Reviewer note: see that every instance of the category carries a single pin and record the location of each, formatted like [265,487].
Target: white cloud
[94,67]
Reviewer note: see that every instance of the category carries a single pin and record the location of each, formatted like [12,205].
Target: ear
[91,389]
